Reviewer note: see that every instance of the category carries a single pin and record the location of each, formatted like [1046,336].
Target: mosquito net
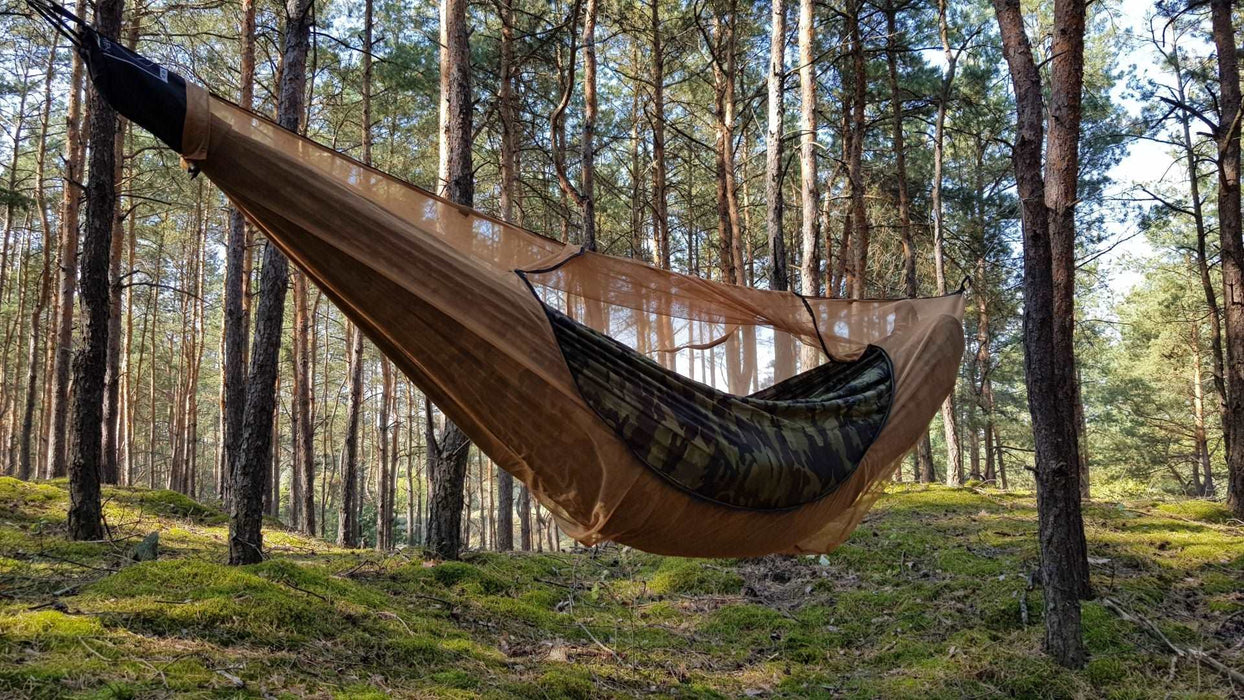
[461,302]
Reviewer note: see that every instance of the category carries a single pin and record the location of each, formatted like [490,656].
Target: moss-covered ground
[930,598]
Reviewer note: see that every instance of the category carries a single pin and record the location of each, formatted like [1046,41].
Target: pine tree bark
[860,234]
[587,167]
[508,110]
[810,261]
[911,286]
[1045,205]
[348,514]
[412,448]
[25,465]
[954,456]
[386,463]
[724,46]
[236,329]
[70,209]
[778,275]
[660,204]
[90,364]
[1197,208]
[1205,488]
[254,461]
[1232,245]
[447,457]
[109,470]
[302,503]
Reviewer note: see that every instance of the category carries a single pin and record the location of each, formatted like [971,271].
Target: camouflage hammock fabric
[763,463]
[779,448]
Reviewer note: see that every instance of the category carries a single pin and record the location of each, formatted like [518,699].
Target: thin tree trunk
[90,364]
[109,470]
[447,456]
[236,330]
[860,229]
[509,202]
[303,487]
[154,314]
[1205,488]
[71,196]
[660,206]
[911,285]
[729,228]
[587,167]
[127,389]
[245,536]
[778,275]
[810,262]
[954,458]
[638,247]
[524,519]
[387,463]
[25,467]
[348,516]
[1197,204]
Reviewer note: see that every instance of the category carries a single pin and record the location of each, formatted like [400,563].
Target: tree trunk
[954,457]
[810,262]
[1218,368]
[71,196]
[778,276]
[303,491]
[509,200]
[447,456]
[1229,230]
[587,186]
[387,462]
[411,449]
[729,229]
[109,472]
[524,519]
[910,284]
[1064,565]
[25,466]
[1205,488]
[90,364]
[660,206]
[860,230]
[236,330]
[638,247]
[348,515]
[245,536]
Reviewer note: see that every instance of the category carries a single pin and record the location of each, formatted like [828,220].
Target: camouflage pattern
[788,445]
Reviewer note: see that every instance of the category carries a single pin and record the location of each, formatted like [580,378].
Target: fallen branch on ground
[1181,652]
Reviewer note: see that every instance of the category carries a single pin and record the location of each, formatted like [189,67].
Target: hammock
[639,405]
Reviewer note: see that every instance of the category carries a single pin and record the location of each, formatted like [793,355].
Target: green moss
[1105,671]
[459,680]
[168,504]
[360,691]
[733,619]
[48,627]
[923,602]
[1207,511]
[455,575]
[1104,632]
[693,577]
[567,683]
[220,603]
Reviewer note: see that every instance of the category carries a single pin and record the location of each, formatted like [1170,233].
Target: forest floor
[929,598]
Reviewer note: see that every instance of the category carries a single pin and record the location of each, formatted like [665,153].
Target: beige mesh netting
[433,285]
